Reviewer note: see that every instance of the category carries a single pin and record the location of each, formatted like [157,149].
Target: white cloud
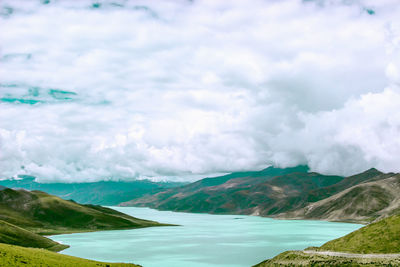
[133,89]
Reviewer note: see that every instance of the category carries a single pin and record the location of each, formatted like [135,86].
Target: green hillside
[266,192]
[42,213]
[24,215]
[19,256]
[379,237]
[14,235]
[290,193]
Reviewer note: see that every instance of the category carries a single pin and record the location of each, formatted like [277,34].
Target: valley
[370,197]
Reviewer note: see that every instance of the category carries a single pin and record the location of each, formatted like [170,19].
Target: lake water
[201,240]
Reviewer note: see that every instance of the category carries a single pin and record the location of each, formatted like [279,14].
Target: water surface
[201,240]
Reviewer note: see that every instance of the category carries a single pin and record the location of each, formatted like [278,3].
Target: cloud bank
[98,90]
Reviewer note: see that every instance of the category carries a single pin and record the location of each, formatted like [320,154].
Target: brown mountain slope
[268,192]
[368,175]
[364,202]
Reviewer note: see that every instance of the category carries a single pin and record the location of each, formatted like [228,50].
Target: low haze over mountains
[100,193]
[187,88]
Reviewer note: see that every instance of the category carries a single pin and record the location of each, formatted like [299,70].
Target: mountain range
[294,193]
[283,193]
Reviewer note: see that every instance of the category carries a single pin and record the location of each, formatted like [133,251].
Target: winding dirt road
[351,255]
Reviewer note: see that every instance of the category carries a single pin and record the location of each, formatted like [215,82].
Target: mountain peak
[373,170]
[278,171]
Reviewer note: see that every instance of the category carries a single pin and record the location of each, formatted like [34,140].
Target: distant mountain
[364,202]
[42,213]
[107,193]
[321,193]
[267,192]
[285,193]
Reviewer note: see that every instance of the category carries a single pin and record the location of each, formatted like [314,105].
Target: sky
[179,89]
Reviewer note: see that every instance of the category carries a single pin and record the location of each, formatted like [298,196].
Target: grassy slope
[379,237]
[18,256]
[42,213]
[46,214]
[382,237]
[14,235]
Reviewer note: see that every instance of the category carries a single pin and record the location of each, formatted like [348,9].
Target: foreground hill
[363,202]
[382,236]
[42,213]
[378,243]
[304,258]
[19,256]
[107,193]
[24,215]
[14,235]
[270,192]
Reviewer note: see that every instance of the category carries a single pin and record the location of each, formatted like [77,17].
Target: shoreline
[261,216]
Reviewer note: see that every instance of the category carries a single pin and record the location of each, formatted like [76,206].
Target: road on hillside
[351,255]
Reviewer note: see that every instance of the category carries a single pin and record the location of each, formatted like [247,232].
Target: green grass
[26,215]
[14,235]
[379,237]
[19,256]
[45,214]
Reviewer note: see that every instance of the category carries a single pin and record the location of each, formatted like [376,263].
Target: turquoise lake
[201,240]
